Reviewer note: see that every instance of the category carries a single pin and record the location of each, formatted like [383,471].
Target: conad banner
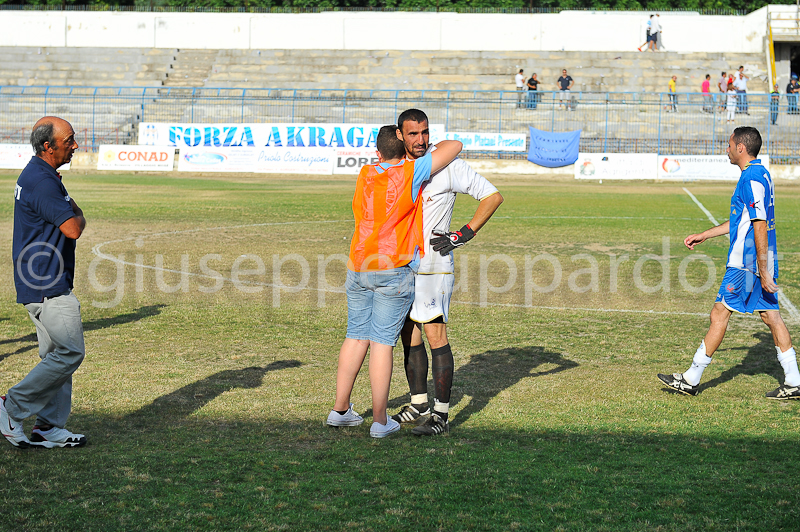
[260,135]
[257,160]
[553,150]
[350,161]
[135,158]
[616,166]
[17,156]
[489,141]
[700,167]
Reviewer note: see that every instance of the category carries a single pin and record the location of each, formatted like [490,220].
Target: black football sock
[442,366]
[417,370]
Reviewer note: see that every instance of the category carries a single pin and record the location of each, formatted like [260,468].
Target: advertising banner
[616,166]
[15,156]
[257,160]
[183,135]
[700,168]
[489,141]
[553,150]
[350,161]
[151,158]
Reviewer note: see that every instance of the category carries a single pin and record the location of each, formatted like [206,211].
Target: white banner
[616,166]
[257,160]
[260,135]
[15,156]
[152,158]
[489,141]
[351,161]
[700,168]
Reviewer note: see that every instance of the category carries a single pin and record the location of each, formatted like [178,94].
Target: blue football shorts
[741,292]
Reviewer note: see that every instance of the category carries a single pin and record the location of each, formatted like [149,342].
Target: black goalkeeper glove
[444,242]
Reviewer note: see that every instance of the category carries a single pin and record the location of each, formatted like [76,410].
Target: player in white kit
[435,279]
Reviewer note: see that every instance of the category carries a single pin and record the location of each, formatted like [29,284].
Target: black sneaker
[678,383]
[784,391]
[409,414]
[435,425]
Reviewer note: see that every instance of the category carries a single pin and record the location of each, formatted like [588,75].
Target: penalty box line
[782,298]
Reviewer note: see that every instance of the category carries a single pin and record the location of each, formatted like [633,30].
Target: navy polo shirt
[44,259]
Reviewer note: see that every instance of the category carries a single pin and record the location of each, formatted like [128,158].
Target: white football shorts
[432,296]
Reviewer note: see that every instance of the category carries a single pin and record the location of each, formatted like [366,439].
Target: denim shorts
[378,303]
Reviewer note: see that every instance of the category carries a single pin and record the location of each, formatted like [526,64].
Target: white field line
[782,299]
[97,250]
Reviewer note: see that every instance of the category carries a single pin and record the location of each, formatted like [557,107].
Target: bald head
[53,139]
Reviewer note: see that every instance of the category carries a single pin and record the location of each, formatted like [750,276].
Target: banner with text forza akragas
[257,160]
[184,135]
[150,158]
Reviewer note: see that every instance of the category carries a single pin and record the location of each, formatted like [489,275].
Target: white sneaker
[11,429]
[381,431]
[56,437]
[348,419]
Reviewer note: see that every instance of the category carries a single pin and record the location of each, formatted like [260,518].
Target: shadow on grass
[760,359]
[183,402]
[487,374]
[140,313]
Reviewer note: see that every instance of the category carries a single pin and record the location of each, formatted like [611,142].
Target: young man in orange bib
[384,254]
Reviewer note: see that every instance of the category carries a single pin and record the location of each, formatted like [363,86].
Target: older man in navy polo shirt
[47,222]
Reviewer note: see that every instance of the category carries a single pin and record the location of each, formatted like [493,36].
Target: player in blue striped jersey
[750,282]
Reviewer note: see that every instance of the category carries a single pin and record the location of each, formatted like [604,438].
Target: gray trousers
[47,390]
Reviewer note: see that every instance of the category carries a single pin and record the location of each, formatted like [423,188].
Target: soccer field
[214,312]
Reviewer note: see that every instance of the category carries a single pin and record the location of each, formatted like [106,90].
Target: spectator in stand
[722,85]
[654,29]
[565,83]
[533,97]
[519,79]
[647,33]
[774,104]
[659,43]
[732,102]
[705,88]
[740,84]
[791,95]
[673,97]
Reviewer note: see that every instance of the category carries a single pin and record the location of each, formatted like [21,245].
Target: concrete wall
[568,31]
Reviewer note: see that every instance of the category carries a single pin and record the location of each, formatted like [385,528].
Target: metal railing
[684,123]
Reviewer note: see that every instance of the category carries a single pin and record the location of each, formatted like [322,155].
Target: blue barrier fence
[683,123]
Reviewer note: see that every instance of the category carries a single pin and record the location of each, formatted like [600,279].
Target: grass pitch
[205,387]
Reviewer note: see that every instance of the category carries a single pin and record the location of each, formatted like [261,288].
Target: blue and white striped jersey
[753,199]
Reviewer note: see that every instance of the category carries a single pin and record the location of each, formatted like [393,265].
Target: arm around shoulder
[446,151]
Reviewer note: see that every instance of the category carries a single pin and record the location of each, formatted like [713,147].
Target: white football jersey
[438,198]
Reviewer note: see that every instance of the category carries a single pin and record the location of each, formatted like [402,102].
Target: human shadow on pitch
[185,401]
[760,359]
[487,374]
[29,341]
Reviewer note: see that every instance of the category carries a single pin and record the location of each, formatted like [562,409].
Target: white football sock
[443,408]
[419,399]
[788,360]
[699,363]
